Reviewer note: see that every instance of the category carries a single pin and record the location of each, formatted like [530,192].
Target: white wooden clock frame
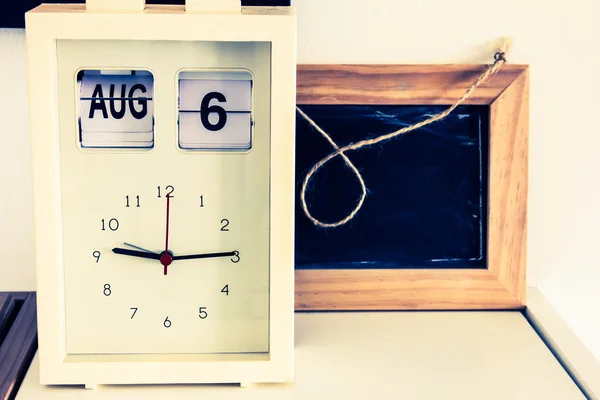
[48,23]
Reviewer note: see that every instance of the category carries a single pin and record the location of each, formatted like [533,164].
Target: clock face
[165,210]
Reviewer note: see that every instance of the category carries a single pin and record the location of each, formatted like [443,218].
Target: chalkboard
[427,198]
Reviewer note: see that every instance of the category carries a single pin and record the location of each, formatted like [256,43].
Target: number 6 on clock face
[215,110]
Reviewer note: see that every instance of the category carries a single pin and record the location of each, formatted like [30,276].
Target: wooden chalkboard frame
[502,284]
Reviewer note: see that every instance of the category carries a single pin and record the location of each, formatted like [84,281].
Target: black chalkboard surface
[426,205]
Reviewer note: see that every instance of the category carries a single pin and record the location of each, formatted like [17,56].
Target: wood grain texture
[398,84]
[502,285]
[401,290]
[18,349]
[509,147]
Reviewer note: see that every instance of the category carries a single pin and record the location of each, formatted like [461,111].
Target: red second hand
[166,258]
[167,233]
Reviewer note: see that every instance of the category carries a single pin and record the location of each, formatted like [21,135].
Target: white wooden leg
[90,386]
[245,384]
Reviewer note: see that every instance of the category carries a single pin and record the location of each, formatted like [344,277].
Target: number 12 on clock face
[214,110]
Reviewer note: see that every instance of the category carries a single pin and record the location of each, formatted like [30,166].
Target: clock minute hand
[206,255]
[135,253]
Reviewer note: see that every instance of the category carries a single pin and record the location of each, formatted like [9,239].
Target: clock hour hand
[135,253]
[205,255]
[133,246]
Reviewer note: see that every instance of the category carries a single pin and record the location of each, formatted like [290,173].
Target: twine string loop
[499,60]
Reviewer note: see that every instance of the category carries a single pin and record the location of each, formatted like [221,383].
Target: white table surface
[391,355]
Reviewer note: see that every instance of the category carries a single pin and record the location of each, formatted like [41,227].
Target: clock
[163,162]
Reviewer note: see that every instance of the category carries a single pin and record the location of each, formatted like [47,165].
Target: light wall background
[560,42]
